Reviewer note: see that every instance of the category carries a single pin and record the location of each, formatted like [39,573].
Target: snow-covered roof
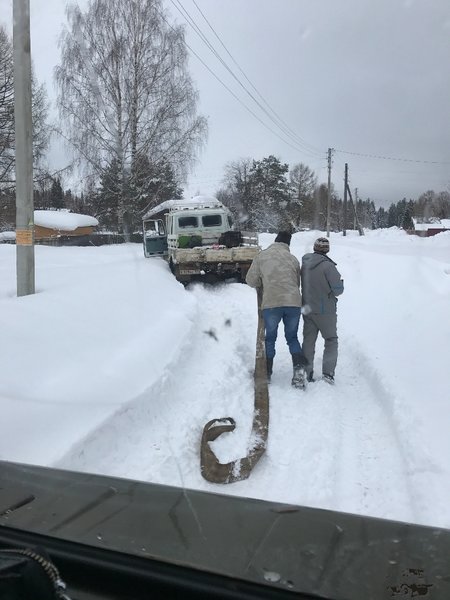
[437,224]
[7,236]
[167,205]
[210,200]
[195,202]
[63,220]
[423,226]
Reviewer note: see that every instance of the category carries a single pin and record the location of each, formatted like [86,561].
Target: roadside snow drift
[113,367]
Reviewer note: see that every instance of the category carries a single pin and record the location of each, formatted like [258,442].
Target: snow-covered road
[125,367]
[329,447]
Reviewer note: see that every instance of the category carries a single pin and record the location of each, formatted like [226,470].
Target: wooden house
[51,224]
[431,228]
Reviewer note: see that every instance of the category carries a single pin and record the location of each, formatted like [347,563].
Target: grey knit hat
[322,245]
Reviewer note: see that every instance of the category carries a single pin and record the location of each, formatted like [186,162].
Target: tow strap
[214,471]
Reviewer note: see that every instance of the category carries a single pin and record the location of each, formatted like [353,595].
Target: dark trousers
[291,318]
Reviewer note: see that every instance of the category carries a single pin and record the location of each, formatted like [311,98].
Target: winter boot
[310,377]
[328,378]
[299,363]
[269,363]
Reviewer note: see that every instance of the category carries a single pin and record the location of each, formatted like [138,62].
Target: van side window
[187,222]
[212,220]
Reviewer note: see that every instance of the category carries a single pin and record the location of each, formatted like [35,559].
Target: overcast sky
[363,76]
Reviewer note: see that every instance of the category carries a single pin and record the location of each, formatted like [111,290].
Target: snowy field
[113,367]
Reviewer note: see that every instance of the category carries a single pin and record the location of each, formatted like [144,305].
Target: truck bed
[215,255]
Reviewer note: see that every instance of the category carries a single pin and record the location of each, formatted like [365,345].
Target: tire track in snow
[330,447]
[403,429]
[372,460]
[337,445]
[156,436]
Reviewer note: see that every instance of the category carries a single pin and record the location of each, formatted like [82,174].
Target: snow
[7,236]
[207,200]
[113,367]
[164,206]
[63,220]
[195,202]
[436,224]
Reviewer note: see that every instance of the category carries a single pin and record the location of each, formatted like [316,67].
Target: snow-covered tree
[125,94]
[270,194]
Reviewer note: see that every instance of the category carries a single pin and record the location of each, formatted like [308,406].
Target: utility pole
[344,230]
[356,204]
[358,225]
[23,149]
[330,152]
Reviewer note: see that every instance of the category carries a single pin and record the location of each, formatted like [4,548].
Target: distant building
[51,224]
[431,228]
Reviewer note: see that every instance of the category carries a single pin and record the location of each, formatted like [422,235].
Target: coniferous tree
[105,200]
[56,194]
[392,220]
[270,191]
[258,193]
[250,196]
[382,218]
[150,185]
[407,222]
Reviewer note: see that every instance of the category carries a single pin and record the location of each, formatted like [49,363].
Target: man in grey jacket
[277,271]
[321,284]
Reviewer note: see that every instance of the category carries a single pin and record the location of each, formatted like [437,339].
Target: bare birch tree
[7,133]
[6,107]
[125,95]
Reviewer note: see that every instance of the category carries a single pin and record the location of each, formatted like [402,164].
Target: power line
[430,162]
[285,127]
[196,28]
[191,21]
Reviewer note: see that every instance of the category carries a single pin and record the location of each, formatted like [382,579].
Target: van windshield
[187,222]
[212,220]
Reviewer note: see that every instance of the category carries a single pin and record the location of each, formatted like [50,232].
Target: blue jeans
[291,319]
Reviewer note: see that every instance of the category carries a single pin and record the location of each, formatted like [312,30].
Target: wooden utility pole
[344,227]
[330,152]
[23,149]
[356,204]
[360,229]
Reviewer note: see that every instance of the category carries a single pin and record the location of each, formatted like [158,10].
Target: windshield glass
[332,124]
[187,222]
[212,220]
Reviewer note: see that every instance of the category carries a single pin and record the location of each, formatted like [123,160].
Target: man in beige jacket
[277,271]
